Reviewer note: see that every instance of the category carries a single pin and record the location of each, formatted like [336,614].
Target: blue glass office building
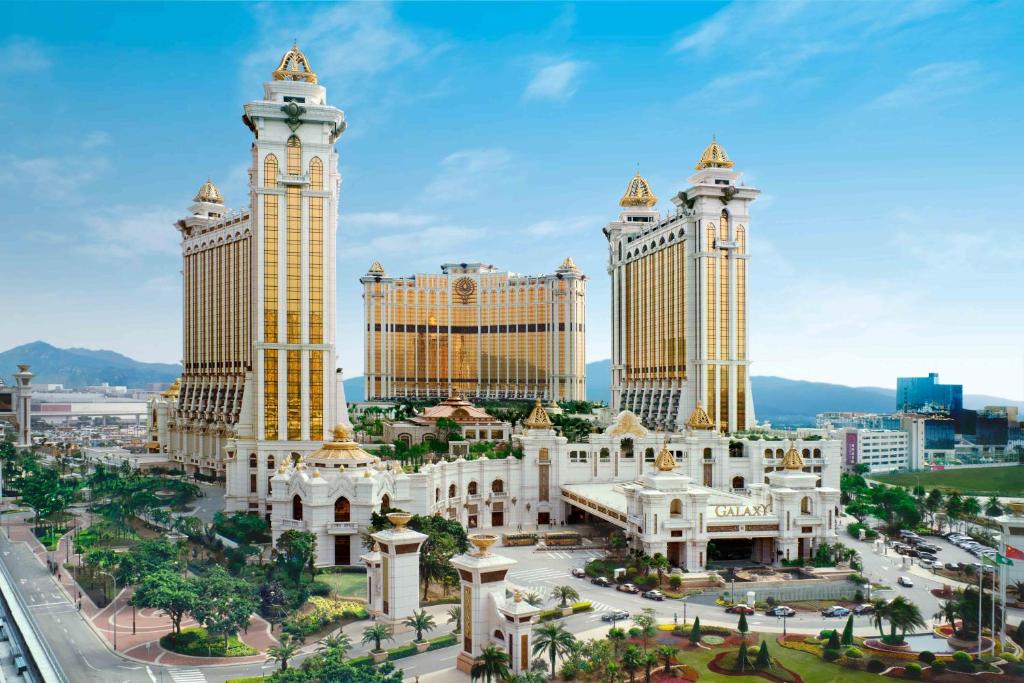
[916,393]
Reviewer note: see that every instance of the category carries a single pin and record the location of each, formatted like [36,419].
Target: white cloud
[556,81]
[54,178]
[130,232]
[467,173]
[929,83]
[96,139]
[20,55]
[425,247]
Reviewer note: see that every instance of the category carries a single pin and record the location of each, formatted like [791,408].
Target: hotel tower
[679,300]
[475,330]
[259,295]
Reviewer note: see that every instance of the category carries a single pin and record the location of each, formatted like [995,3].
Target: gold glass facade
[270,299]
[478,331]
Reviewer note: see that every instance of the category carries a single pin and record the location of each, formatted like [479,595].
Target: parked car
[653,595]
[739,608]
[836,610]
[579,572]
[781,611]
[601,581]
[930,564]
[928,557]
[866,608]
[929,547]
[905,581]
[615,615]
[954,566]
[627,588]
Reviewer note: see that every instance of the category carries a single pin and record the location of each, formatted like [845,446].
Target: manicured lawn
[346,585]
[1003,481]
[196,642]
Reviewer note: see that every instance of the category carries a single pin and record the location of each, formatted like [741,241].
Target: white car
[905,582]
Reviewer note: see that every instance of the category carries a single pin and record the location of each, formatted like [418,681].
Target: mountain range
[782,401]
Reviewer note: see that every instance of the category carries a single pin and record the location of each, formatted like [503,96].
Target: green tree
[902,616]
[972,508]
[667,653]
[282,653]
[695,631]
[168,591]
[338,644]
[993,508]
[848,631]
[564,594]
[647,625]
[764,660]
[295,551]
[743,658]
[224,604]
[742,626]
[617,637]
[420,622]
[660,564]
[376,633]
[490,665]
[649,661]
[455,614]
[551,639]
[632,661]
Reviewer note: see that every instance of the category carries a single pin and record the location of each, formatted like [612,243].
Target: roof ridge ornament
[699,418]
[538,418]
[714,156]
[294,67]
[208,193]
[665,462]
[792,460]
[638,194]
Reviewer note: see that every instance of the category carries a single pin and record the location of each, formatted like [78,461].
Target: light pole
[113,580]
[684,611]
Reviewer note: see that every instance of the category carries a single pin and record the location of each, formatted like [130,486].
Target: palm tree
[632,661]
[375,634]
[533,599]
[420,622]
[455,614]
[648,660]
[553,640]
[282,653]
[879,614]
[617,637]
[993,508]
[972,507]
[646,623]
[338,644]
[611,672]
[491,664]
[948,612]
[903,615]
[527,677]
[667,653]
[564,594]
[660,563]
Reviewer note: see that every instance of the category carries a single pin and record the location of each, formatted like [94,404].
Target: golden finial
[376,268]
[538,418]
[294,67]
[714,156]
[208,193]
[568,264]
[792,460]
[341,432]
[699,418]
[638,193]
[172,391]
[665,462]
[517,596]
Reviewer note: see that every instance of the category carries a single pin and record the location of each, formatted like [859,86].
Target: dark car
[739,609]
[928,547]
[652,595]
[615,615]
[863,609]
[781,611]
[601,581]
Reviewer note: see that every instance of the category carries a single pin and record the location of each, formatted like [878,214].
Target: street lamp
[113,579]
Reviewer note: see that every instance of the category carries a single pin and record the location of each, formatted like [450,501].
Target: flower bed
[724,662]
[324,612]
[197,642]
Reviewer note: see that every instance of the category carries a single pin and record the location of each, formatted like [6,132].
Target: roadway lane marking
[187,676]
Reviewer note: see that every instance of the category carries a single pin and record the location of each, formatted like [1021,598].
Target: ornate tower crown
[208,193]
[538,418]
[638,193]
[699,418]
[792,460]
[665,462]
[568,264]
[376,268]
[294,67]
[714,156]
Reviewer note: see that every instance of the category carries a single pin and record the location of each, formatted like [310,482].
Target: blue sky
[885,138]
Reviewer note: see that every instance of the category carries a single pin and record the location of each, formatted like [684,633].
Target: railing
[342,528]
[292,524]
[39,651]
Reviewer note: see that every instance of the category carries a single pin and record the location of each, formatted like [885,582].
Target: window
[707,453]
[451,491]
[497,434]
[649,455]
[252,483]
[270,462]
[738,483]
[252,460]
[470,433]
[342,510]
[437,495]
[676,507]
[577,456]
[805,454]
[817,452]
[626,447]
[296,507]
[605,455]
[805,505]
[767,452]
[385,503]
[471,489]
[497,486]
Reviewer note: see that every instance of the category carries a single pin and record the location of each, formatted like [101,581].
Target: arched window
[805,505]
[767,452]
[648,455]
[817,452]
[316,174]
[471,489]
[295,458]
[270,462]
[437,495]
[723,226]
[451,491]
[296,507]
[735,449]
[497,486]
[385,502]
[252,460]
[806,453]
[738,483]
[270,171]
[342,510]
[676,507]
[779,453]
[294,156]
[405,438]
[707,453]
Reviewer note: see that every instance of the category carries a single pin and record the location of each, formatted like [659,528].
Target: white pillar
[374,580]
[518,627]
[482,574]
[400,568]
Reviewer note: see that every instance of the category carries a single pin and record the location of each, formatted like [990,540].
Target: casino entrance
[731,550]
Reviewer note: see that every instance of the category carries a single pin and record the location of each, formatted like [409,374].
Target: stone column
[374,580]
[400,568]
[518,627]
[482,574]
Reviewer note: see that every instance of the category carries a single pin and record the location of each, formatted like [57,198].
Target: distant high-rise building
[923,393]
[679,300]
[475,330]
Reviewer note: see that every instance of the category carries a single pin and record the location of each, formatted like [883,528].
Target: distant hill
[76,368]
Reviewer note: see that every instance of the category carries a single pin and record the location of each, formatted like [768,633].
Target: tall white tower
[23,407]
[294,184]
[679,304]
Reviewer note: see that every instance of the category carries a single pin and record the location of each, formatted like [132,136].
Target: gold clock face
[464,289]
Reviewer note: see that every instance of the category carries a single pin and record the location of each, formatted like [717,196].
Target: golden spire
[568,264]
[699,418]
[638,193]
[665,462]
[172,391]
[714,156]
[376,268]
[208,193]
[294,67]
[792,460]
[538,418]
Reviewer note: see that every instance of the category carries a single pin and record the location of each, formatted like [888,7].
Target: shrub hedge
[876,666]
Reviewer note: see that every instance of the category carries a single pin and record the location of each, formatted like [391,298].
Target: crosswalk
[187,676]
[584,555]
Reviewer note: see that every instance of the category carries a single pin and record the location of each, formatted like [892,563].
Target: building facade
[475,330]
[882,450]
[679,304]
[918,393]
[258,297]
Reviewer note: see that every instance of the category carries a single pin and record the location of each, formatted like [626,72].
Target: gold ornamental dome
[792,460]
[341,447]
[294,67]
[538,418]
[699,418]
[714,156]
[208,193]
[638,194]
[665,462]
[376,268]
[568,264]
